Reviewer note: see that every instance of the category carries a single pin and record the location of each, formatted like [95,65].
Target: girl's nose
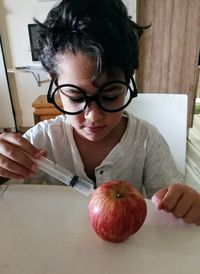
[93,112]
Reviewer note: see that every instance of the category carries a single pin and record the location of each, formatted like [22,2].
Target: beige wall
[14,32]
[15,15]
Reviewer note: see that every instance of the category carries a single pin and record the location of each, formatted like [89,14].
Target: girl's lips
[94,129]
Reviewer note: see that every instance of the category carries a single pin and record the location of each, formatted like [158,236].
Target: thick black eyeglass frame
[51,100]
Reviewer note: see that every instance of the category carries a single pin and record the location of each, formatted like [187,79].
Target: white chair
[168,112]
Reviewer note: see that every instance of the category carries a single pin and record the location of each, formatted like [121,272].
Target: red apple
[116,210]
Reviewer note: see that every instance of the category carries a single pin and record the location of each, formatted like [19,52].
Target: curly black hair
[101,29]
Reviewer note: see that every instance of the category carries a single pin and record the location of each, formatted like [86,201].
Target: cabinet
[43,110]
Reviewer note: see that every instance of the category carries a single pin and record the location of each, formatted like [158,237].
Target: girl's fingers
[10,169]
[16,140]
[10,158]
[158,197]
[17,156]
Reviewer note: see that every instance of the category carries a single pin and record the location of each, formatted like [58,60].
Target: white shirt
[142,156]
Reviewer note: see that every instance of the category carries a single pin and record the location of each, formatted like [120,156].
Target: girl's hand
[15,153]
[181,200]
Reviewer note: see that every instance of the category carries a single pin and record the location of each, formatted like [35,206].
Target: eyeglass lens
[111,97]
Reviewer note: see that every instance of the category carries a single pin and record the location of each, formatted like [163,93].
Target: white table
[45,230]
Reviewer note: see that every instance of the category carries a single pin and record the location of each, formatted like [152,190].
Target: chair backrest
[168,112]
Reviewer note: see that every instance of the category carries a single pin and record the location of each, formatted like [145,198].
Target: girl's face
[93,124]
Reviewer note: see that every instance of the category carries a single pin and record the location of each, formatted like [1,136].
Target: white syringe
[65,176]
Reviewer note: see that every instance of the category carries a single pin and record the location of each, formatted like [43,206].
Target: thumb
[158,197]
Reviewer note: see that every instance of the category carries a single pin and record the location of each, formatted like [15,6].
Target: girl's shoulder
[139,126]
[45,125]
[47,130]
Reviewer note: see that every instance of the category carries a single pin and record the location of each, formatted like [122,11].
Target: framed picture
[33,37]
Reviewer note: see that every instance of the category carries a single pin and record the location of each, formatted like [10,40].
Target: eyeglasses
[111,97]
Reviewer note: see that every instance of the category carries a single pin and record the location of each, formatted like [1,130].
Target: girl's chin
[92,135]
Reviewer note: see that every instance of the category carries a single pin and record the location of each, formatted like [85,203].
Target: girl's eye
[113,92]
[76,100]
[109,98]
[71,92]
[114,95]
[73,96]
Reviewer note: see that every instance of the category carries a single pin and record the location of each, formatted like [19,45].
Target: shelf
[36,72]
